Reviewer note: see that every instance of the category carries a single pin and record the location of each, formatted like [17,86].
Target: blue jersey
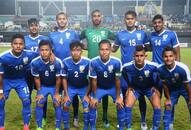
[76,73]
[31,43]
[14,67]
[105,73]
[141,78]
[127,41]
[46,71]
[160,41]
[176,76]
[61,42]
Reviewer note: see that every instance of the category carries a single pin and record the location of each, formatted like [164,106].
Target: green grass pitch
[13,108]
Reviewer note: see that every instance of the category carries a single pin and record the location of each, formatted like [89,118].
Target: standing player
[127,40]
[174,75]
[104,73]
[75,82]
[31,43]
[141,76]
[61,40]
[93,36]
[159,39]
[48,81]
[13,66]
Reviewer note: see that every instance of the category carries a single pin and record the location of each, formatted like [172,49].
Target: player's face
[139,58]
[45,52]
[158,25]
[62,21]
[33,28]
[104,51]
[76,53]
[96,18]
[169,58]
[130,21]
[17,45]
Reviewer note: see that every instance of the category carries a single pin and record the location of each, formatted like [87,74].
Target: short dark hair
[32,20]
[45,43]
[74,44]
[96,10]
[61,13]
[168,48]
[139,48]
[158,16]
[104,42]
[131,12]
[17,36]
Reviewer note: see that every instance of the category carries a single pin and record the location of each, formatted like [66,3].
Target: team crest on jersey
[25,60]
[68,35]
[51,68]
[164,37]
[176,75]
[110,68]
[61,41]
[46,73]
[138,36]
[103,33]
[147,73]
[82,67]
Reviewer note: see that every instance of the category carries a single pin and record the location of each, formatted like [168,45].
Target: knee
[56,103]
[26,101]
[41,102]
[65,108]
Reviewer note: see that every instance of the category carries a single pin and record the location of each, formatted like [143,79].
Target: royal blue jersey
[127,41]
[160,41]
[31,43]
[141,78]
[61,42]
[76,73]
[105,73]
[14,67]
[46,71]
[175,77]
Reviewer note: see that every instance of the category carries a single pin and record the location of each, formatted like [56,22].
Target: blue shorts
[110,92]
[175,94]
[45,91]
[19,85]
[123,83]
[81,92]
[139,92]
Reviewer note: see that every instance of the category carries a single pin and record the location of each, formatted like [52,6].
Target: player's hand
[58,98]
[93,102]
[86,99]
[66,99]
[39,97]
[168,103]
[119,103]
[155,91]
[2,96]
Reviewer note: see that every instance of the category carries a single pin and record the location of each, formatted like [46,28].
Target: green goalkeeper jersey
[93,37]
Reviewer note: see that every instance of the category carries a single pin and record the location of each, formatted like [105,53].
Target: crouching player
[105,72]
[141,76]
[48,81]
[174,75]
[75,82]
[13,66]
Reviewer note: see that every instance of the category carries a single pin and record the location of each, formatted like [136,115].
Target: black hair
[45,42]
[104,42]
[96,10]
[168,48]
[158,16]
[17,36]
[32,20]
[61,13]
[139,48]
[131,12]
[74,44]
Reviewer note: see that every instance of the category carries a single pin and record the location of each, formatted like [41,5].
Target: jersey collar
[132,30]
[139,68]
[44,61]
[34,37]
[77,62]
[62,30]
[170,70]
[161,32]
[15,55]
[105,63]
